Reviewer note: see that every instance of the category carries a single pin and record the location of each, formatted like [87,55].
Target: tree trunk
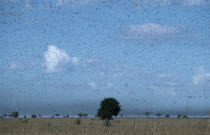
[107,122]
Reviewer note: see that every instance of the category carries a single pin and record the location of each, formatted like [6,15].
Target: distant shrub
[57,115]
[10,115]
[4,115]
[158,114]
[185,116]
[147,114]
[15,114]
[33,116]
[167,116]
[77,121]
[179,116]
[25,121]
[82,114]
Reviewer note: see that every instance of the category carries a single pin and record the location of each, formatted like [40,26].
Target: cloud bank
[93,85]
[74,2]
[160,3]
[55,58]
[200,76]
[195,2]
[150,32]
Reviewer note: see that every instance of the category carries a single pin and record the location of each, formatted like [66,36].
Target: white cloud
[163,91]
[55,58]
[74,2]
[93,85]
[160,3]
[195,2]
[74,60]
[28,4]
[103,75]
[152,3]
[163,75]
[200,76]
[117,75]
[150,31]
[172,91]
[110,85]
[13,65]
[170,83]
[8,0]
[154,87]
[92,60]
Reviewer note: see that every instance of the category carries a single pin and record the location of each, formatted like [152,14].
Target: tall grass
[93,126]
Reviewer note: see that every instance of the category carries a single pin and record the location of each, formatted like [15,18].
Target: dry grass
[93,126]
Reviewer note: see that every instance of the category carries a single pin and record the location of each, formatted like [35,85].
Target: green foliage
[57,115]
[109,107]
[147,113]
[85,114]
[15,114]
[33,116]
[4,115]
[185,116]
[82,114]
[179,116]
[167,116]
[158,114]
[25,121]
[77,121]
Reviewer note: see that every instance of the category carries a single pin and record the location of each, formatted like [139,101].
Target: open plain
[94,126]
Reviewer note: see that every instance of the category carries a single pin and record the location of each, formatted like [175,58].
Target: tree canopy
[109,107]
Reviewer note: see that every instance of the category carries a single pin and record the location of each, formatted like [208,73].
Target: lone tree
[4,115]
[185,116]
[179,116]
[167,116]
[57,115]
[82,114]
[85,114]
[33,116]
[158,114]
[15,114]
[109,107]
[147,113]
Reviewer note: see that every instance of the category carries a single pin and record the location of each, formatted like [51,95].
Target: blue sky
[64,56]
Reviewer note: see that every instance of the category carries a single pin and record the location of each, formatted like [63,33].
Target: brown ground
[94,126]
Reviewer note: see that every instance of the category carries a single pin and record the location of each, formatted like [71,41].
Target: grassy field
[94,126]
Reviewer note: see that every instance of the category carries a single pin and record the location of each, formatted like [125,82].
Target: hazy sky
[64,56]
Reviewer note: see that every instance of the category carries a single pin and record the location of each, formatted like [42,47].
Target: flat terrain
[94,126]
